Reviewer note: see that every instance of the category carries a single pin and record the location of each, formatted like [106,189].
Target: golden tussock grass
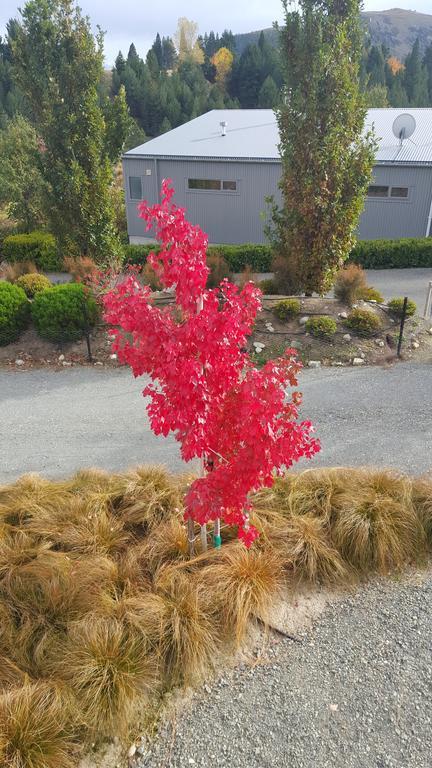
[242,585]
[35,729]
[101,609]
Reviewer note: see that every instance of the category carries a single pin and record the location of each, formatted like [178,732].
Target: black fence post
[87,331]
[402,326]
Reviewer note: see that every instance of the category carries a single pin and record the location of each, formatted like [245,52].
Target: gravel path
[355,693]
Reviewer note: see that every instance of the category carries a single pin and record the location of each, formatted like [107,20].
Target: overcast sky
[138,21]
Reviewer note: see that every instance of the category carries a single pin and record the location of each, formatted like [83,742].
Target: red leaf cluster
[204,388]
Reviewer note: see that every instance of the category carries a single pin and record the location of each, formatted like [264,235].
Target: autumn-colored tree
[186,41]
[222,62]
[326,158]
[395,65]
[240,420]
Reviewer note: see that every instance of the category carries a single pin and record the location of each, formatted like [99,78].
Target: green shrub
[219,269]
[14,312]
[371,294]
[257,257]
[268,287]
[33,284]
[349,283]
[286,309]
[59,312]
[322,327]
[396,307]
[39,247]
[136,255]
[363,322]
[390,254]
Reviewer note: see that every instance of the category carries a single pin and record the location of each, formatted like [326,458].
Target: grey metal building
[224,164]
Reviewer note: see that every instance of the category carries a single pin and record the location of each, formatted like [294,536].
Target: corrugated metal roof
[252,134]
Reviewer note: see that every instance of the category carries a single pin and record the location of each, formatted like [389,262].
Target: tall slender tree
[58,66]
[326,158]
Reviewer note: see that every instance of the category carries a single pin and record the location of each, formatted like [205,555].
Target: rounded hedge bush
[33,284]
[322,327]
[396,307]
[371,294]
[64,312]
[286,309]
[14,312]
[268,286]
[363,322]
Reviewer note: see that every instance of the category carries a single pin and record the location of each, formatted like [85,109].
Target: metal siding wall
[236,218]
[226,217]
[393,218]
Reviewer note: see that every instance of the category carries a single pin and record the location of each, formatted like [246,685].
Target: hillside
[396,28]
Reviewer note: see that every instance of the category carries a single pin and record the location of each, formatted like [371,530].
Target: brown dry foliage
[82,268]
[11,272]
[101,606]
[349,284]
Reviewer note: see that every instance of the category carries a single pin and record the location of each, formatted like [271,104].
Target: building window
[374,190]
[135,188]
[212,185]
[399,192]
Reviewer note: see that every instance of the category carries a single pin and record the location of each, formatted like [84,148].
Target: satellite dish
[404,126]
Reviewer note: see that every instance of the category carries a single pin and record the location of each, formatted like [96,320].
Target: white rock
[113,357]
[303,320]
[61,358]
[132,750]
[362,355]
[270,328]
[346,337]
[358,361]
[415,344]
[372,301]
[336,364]
[98,363]
[259,346]
[19,362]
[343,315]
[314,364]
[334,707]
[430,331]
[380,343]
[66,364]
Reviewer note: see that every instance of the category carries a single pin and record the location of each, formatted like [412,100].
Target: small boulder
[113,357]
[314,364]
[132,751]
[19,362]
[430,331]
[346,337]
[358,361]
[415,344]
[343,315]
[61,358]
[303,320]
[66,364]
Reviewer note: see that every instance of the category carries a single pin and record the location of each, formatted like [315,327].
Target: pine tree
[268,97]
[375,67]
[157,50]
[416,79]
[169,54]
[326,159]
[427,63]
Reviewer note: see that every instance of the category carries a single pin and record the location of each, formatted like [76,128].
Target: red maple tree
[204,387]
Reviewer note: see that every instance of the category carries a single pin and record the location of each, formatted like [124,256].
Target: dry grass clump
[101,607]
[181,623]
[107,665]
[422,502]
[242,585]
[35,729]
[376,527]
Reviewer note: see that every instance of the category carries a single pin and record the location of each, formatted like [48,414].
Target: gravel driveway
[356,692]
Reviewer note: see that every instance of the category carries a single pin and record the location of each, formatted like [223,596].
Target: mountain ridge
[396,28]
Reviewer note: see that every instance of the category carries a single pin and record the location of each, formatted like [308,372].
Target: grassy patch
[102,611]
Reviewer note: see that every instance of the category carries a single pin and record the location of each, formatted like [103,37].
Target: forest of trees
[185,75]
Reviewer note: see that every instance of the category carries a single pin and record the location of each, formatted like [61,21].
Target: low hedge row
[393,254]
[370,254]
[38,247]
[238,257]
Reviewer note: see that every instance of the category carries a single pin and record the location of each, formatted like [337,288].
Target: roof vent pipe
[223,125]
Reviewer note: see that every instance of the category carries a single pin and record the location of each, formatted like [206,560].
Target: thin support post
[191,537]
[428,305]
[87,332]
[203,534]
[217,538]
[402,326]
